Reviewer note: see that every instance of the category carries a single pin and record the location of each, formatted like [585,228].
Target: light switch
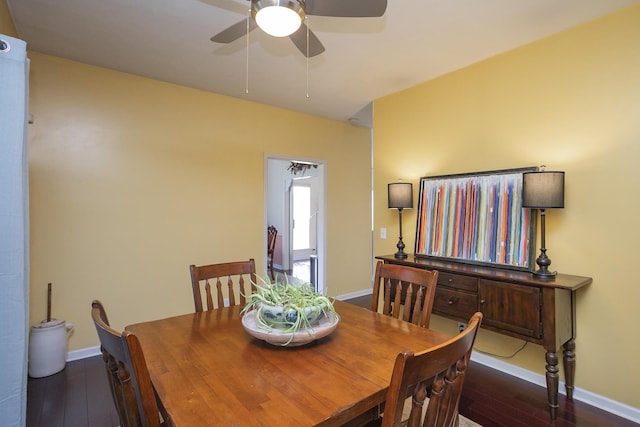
[383,233]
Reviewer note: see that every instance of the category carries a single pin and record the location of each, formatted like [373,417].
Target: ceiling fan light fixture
[278,18]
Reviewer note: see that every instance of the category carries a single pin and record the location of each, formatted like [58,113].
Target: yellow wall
[572,102]
[6,23]
[132,180]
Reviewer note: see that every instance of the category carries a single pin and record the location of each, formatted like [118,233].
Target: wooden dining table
[208,371]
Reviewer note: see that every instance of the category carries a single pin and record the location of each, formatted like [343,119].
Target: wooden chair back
[407,291]
[240,278]
[133,394]
[442,368]
[272,233]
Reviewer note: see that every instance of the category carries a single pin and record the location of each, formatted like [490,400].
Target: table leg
[569,360]
[552,382]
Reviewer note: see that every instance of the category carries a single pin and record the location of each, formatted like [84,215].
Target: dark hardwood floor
[77,396]
[80,396]
[493,399]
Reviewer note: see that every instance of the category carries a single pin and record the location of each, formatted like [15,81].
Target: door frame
[321,242]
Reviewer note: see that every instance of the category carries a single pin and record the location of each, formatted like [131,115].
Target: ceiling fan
[282,18]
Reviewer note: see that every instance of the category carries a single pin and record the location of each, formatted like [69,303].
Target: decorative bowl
[277,336]
[279,316]
[288,309]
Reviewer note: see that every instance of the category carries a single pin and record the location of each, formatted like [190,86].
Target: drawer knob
[450,280]
[453,300]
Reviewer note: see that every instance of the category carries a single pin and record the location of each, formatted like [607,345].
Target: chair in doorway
[240,278]
[442,369]
[408,292]
[135,398]
[272,233]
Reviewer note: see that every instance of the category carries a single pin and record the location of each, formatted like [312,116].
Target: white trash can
[48,347]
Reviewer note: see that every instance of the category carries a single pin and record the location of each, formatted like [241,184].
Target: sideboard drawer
[458,281]
[460,305]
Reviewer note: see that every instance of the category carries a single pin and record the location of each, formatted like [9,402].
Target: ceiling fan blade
[299,38]
[346,8]
[235,31]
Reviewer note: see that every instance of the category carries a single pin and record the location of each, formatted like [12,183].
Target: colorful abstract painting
[476,218]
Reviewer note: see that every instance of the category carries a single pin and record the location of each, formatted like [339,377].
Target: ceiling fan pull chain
[306,18]
[246,82]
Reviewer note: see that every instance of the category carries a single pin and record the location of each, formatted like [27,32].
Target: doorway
[304,213]
[295,205]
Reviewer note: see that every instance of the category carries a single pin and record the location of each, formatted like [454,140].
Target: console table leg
[552,382]
[569,360]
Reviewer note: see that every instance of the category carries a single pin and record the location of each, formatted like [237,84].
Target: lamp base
[400,254]
[544,262]
[544,275]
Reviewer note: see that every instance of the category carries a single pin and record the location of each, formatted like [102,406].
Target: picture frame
[476,218]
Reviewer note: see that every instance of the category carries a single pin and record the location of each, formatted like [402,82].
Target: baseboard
[83,353]
[354,295]
[604,403]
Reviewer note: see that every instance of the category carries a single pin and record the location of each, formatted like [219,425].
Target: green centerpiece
[287,308]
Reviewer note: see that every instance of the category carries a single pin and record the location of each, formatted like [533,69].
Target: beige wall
[6,23]
[132,180]
[572,102]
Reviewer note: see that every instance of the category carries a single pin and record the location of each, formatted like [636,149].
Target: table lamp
[542,190]
[400,196]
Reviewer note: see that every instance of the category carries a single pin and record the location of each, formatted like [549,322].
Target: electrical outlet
[461,326]
[383,233]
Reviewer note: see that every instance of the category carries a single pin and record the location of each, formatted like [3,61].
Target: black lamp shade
[400,195]
[544,189]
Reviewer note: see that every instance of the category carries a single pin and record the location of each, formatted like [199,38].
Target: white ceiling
[365,58]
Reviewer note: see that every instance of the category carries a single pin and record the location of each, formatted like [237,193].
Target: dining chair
[407,291]
[272,233]
[134,396]
[240,278]
[442,369]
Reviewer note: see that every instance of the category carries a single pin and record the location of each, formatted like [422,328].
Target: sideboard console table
[513,303]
